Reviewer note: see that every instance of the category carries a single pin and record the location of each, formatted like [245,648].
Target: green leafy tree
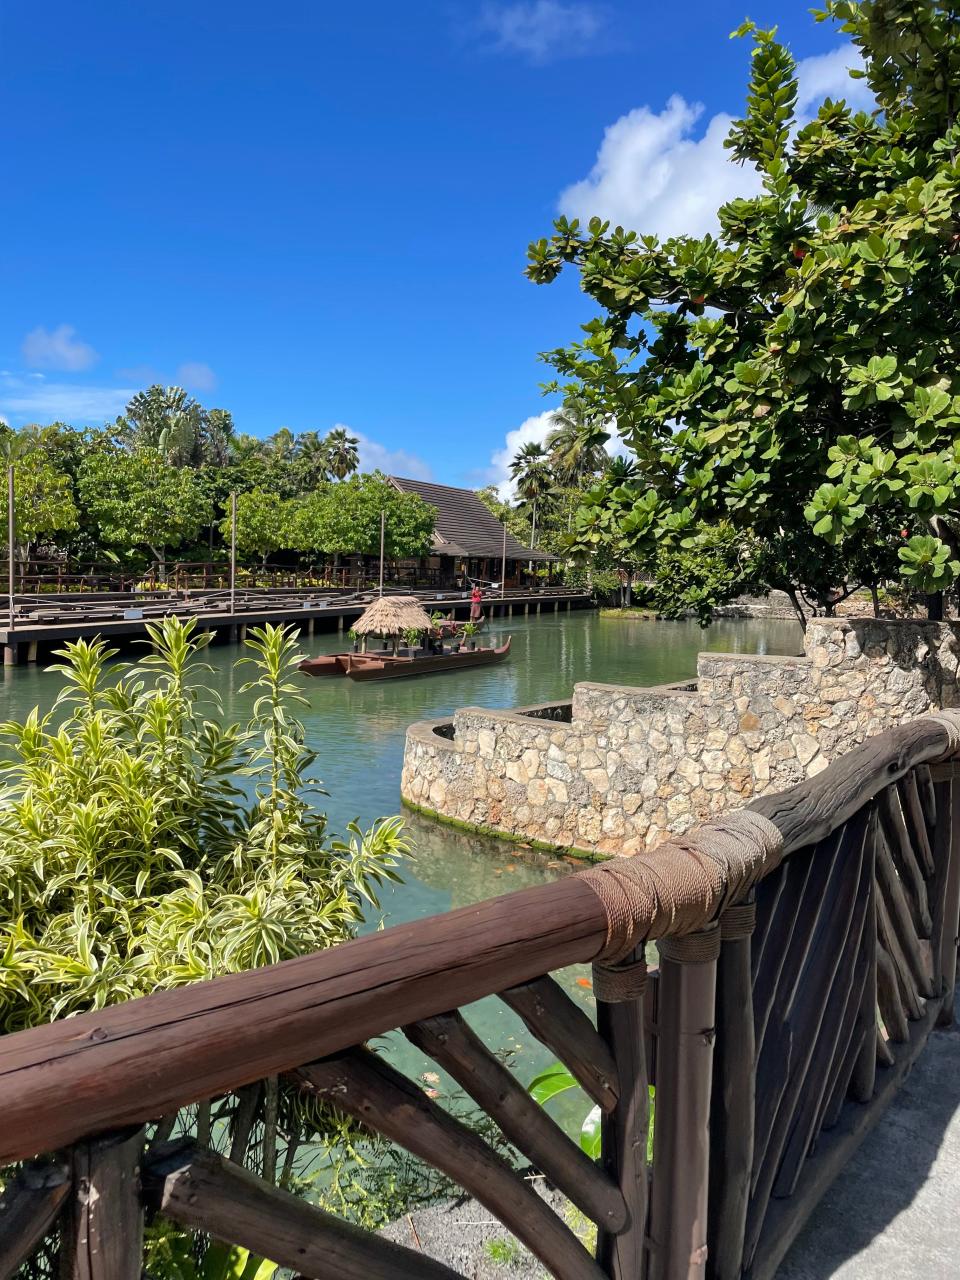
[344,519]
[263,523]
[796,376]
[43,502]
[137,500]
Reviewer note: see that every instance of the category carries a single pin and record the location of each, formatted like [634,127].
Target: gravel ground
[470,1240]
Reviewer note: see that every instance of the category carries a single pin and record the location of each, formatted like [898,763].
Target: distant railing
[807,948]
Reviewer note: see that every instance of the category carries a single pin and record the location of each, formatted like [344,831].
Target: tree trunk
[159,554]
[875,597]
[629,588]
[935,607]
[798,607]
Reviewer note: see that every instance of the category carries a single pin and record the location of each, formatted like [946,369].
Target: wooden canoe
[384,666]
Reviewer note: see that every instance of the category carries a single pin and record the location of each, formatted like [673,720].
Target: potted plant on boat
[412,636]
[469,633]
[354,640]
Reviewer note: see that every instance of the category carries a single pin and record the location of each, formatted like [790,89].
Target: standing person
[476,596]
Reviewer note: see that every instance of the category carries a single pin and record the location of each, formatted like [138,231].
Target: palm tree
[530,471]
[167,419]
[343,455]
[217,436]
[575,443]
[280,445]
[312,459]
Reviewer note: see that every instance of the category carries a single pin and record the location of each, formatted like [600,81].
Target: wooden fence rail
[807,949]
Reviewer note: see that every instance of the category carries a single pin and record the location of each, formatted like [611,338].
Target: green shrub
[130,860]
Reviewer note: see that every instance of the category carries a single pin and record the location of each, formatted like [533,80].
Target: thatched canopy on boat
[392,616]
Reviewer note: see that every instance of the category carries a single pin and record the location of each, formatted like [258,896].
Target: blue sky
[317,213]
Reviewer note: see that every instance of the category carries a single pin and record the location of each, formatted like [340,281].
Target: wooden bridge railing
[806,951]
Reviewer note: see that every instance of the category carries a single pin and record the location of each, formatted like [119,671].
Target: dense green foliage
[795,377]
[158,483]
[130,860]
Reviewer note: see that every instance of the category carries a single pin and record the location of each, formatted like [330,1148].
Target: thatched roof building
[466,529]
[392,616]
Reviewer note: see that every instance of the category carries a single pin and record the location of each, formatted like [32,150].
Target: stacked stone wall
[632,764]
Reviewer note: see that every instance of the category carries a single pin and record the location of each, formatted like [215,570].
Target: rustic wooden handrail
[760,1031]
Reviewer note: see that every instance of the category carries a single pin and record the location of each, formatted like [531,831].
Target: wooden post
[11,543]
[10,654]
[104,1240]
[340,625]
[951,915]
[32,651]
[620,1002]
[233,553]
[681,1156]
[732,1103]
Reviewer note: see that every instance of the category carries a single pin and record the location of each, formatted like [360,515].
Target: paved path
[894,1212]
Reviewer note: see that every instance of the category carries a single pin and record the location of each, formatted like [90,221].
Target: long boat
[388,666]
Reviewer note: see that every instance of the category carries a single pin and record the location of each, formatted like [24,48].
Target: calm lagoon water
[358,732]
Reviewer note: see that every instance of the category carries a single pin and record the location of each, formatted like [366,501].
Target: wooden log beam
[888,997]
[364,1086]
[806,1017]
[30,1205]
[136,1061]
[915,818]
[625,1134]
[810,811]
[451,1043]
[903,857]
[205,1192]
[950,927]
[785,1218]
[903,969]
[103,1233]
[550,1015]
[732,1109]
[830,1050]
[681,1135]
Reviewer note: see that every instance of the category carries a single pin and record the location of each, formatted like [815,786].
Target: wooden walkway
[43,623]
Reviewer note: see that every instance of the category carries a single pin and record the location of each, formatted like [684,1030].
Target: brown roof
[465,524]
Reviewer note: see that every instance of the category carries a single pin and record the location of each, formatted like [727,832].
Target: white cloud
[35,401]
[536,428]
[392,462]
[196,376]
[654,174]
[541,30]
[828,76]
[58,348]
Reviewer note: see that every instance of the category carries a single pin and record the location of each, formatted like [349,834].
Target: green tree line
[157,483]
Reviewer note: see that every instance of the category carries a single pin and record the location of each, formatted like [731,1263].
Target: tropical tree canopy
[795,376]
[137,501]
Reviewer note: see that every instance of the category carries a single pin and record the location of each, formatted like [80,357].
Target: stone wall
[618,767]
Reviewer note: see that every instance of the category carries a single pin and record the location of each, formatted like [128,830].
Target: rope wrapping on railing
[950,719]
[682,885]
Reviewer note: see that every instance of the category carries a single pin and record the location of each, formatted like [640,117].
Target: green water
[358,732]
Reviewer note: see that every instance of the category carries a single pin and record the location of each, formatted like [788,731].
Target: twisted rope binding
[680,886]
[738,922]
[620,983]
[950,720]
[693,948]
